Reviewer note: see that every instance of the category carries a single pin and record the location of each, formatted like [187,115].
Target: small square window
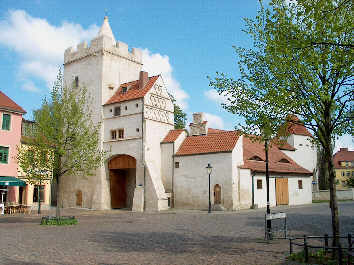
[299,183]
[176,164]
[348,173]
[116,111]
[4,154]
[121,133]
[126,108]
[6,121]
[137,129]
[259,184]
[136,105]
[114,135]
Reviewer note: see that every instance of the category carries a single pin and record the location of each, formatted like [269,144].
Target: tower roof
[106,30]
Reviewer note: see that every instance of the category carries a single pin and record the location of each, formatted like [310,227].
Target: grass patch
[63,220]
[317,257]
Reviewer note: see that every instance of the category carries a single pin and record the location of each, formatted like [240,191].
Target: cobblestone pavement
[173,237]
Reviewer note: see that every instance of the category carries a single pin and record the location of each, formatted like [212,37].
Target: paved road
[175,237]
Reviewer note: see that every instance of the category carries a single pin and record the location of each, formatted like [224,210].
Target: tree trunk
[333,204]
[57,212]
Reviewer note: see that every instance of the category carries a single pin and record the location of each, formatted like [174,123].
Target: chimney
[343,150]
[199,125]
[143,79]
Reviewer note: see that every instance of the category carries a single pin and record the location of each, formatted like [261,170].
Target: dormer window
[283,160]
[256,158]
[124,89]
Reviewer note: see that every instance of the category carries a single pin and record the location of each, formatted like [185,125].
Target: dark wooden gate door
[79,198]
[282,191]
[217,194]
[118,189]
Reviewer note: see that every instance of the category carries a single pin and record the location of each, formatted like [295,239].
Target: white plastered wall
[191,180]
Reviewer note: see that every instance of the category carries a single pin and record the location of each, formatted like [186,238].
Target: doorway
[217,194]
[282,191]
[122,175]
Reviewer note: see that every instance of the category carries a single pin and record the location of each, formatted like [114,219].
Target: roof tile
[133,91]
[172,136]
[343,155]
[251,149]
[9,104]
[211,143]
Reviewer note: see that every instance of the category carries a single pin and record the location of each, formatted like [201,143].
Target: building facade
[343,161]
[151,166]
[13,132]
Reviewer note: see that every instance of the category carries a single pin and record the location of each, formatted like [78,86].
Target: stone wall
[323,195]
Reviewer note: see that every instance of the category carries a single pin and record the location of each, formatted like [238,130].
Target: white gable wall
[305,154]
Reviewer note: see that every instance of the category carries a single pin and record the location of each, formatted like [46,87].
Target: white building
[152,166]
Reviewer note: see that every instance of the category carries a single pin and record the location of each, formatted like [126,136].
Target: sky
[185,41]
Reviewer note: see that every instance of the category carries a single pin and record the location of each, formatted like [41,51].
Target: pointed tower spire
[106,30]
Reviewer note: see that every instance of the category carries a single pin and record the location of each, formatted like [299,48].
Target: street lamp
[209,169]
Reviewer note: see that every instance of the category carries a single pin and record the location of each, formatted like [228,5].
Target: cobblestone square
[172,237]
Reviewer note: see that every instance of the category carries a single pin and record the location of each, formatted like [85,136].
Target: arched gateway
[122,175]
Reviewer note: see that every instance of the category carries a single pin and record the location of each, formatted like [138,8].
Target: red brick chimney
[143,79]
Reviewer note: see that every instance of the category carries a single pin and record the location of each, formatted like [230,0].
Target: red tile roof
[133,91]
[343,155]
[211,143]
[172,136]
[9,104]
[252,149]
[296,127]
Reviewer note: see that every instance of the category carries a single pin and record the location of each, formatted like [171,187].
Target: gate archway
[122,175]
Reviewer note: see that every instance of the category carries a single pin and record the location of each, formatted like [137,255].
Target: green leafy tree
[301,63]
[64,126]
[350,182]
[180,116]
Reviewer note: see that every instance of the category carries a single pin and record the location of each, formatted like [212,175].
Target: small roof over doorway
[11,181]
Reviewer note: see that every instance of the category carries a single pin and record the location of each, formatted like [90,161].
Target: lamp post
[209,169]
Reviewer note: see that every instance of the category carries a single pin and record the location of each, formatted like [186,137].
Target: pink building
[10,137]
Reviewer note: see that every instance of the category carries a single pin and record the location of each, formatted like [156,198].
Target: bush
[64,220]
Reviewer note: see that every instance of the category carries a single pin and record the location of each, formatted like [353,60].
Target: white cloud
[30,86]
[155,63]
[345,141]
[214,121]
[40,45]
[213,95]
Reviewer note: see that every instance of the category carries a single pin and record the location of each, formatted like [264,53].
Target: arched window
[217,194]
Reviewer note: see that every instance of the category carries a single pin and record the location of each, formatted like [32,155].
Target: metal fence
[305,242]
